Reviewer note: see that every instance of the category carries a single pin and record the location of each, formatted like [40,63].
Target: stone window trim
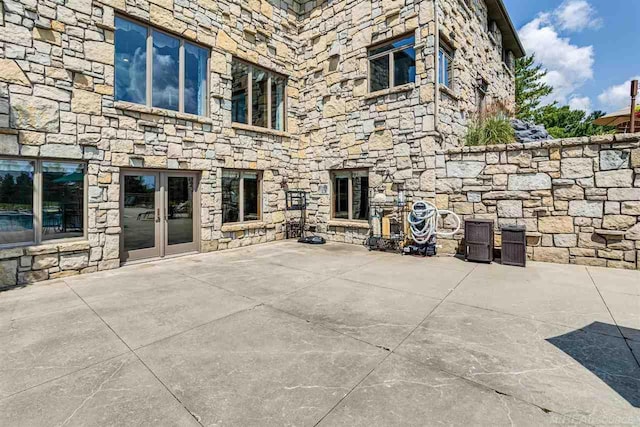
[38,241]
[139,108]
[149,68]
[241,221]
[257,129]
[351,173]
[270,74]
[390,54]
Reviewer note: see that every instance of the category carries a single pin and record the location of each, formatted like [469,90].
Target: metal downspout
[436,106]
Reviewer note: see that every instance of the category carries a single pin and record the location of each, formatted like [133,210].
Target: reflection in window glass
[166,71]
[409,41]
[130,61]
[239,74]
[62,200]
[16,201]
[180,205]
[360,196]
[195,79]
[341,199]
[230,196]
[379,69]
[277,102]
[250,195]
[138,214]
[404,63]
[445,58]
[259,98]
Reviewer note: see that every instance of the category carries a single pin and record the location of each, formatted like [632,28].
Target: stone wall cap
[552,143]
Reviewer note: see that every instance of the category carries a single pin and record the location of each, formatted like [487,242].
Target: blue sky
[586,45]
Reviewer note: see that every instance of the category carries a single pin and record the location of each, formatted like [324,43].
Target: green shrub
[493,129]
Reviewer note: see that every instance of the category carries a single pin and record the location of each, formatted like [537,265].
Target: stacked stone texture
[579,199]
[57,102]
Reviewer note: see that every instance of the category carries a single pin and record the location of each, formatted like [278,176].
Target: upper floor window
[41,200]
[159,70]
[445,65]
[350,190]
[258,96]
[241,196]
[508,59]
[392,64]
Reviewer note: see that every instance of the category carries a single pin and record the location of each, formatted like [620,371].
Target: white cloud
[580,103]
[568,65]
[576,15]
[618,96]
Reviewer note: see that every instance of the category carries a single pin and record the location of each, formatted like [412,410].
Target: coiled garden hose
[423,222]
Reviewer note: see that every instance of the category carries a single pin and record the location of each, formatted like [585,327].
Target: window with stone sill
[350,195]
[392,64]
[41,200]
[258,96]
[159,70]
[241,196]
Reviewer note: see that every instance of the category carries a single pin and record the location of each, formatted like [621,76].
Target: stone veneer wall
[392,132]
[578,198]
[56,101]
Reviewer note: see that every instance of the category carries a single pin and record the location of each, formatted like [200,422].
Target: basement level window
[160,70]
[392,64]
[241,196]
[41,201]
[350,194]
[258,96]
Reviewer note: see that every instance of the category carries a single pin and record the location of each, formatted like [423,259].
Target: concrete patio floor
[287,334]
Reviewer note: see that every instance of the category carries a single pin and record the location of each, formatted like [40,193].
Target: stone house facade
[66,128]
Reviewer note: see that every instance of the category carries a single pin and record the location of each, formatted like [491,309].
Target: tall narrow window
[16,201]
[240,92]
[62,200]
[195,79]
[445,65]
[230,196]
[392,64]
[351,195]
[277,102]
[174,78]
[241,195]
[258,96]
[166,71]
[130,61]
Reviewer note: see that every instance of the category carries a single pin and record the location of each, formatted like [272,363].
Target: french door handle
[158,215]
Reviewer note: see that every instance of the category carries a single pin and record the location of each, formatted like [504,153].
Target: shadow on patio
[592,347]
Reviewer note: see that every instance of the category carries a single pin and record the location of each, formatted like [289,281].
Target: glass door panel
[180,191]
[180,210]
[140,216]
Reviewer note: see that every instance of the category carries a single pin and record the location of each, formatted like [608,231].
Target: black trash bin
[514,245]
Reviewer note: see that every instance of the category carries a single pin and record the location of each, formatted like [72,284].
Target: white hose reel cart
[423,223]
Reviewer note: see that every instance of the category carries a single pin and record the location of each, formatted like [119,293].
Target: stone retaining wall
[578,198]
